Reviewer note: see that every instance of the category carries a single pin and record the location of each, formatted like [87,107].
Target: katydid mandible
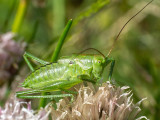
[66,72]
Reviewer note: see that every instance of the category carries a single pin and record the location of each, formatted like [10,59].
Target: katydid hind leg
[20,93]
[46,96]
[23,95]
[28,55]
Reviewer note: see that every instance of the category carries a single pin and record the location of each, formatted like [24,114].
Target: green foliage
[136,52]
[92,9]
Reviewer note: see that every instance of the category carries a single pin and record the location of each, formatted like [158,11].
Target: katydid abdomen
[49,75]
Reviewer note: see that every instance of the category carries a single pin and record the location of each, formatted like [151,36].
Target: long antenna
[125,26]
[92,49]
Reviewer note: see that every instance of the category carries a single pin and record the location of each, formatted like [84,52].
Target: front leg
[112,61]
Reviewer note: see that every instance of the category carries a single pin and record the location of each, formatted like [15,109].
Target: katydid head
[98,65]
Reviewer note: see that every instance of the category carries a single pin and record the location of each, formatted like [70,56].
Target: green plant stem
[19,15]
[94,8]
[54,58]
[61,41]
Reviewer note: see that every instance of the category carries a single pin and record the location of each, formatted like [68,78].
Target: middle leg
[28,55]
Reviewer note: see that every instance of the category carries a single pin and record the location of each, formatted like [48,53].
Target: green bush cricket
[67,71]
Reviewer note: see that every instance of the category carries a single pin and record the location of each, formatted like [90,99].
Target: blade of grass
[54,58]
[19,15]
[94,8]
[61,41]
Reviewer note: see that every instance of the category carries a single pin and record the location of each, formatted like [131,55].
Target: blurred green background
[96,23]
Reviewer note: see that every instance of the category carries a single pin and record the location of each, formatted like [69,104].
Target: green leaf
[95,7]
